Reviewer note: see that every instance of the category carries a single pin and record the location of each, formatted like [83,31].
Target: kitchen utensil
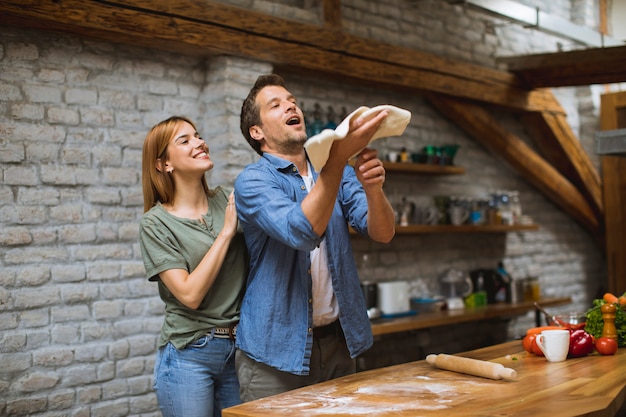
[496,285]
[426,215]
[370,292]
[516,293]
[393,297]
[448,153]
[549,317]
[426,305]
[455,285]
[458,214]
[561,319]
[554,344]
[568,318]
[442,203]
[374,313]
[472,366]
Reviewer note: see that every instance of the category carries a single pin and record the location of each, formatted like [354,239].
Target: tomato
[606,346]
[535,348]
[530,344]
[527,342]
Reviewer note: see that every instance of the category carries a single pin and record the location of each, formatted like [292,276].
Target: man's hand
[380,217]
[369,170]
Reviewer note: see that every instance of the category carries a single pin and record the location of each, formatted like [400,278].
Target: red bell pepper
[581,343]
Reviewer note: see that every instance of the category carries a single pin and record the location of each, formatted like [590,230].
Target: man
[303,318]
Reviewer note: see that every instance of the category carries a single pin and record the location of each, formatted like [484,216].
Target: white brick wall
[79,320]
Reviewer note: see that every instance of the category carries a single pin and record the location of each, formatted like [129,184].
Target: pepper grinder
[608,317]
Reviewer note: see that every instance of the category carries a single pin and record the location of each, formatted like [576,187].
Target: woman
[192,248]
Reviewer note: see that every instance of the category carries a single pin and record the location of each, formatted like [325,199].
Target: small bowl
[566,319]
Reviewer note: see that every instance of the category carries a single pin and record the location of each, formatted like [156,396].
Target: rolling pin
[472,366]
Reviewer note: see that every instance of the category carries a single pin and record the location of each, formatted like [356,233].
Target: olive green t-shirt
[170,242]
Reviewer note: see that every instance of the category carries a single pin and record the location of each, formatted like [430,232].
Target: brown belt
[229,332]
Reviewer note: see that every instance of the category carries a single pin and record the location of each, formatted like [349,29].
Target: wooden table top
[590,386]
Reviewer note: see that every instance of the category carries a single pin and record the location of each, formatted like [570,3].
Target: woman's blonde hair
[158,186]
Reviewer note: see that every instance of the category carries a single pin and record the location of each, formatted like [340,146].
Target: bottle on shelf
[516,290]
[504,207]
[493,209]
[516,207]
[317,125]
[404,155]
[406,209]
[479,297]
[532,286]
[502,293]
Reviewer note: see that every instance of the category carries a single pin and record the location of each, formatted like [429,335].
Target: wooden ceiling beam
[572,68]
[203,27]
[554,138]
[484,128]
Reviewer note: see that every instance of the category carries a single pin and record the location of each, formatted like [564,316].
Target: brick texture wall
[78,319]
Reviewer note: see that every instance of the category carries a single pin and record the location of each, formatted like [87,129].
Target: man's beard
[292,146]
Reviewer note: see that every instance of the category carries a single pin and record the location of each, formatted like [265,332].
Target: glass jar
[493,211]
[532,289]
[504,207]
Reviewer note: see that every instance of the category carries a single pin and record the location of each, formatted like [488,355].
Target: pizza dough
[318,146]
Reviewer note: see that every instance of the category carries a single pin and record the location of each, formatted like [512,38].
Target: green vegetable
[594,323]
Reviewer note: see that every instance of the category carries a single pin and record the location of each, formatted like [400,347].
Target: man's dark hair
[250,113]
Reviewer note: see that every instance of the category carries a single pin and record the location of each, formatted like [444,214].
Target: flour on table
[382,396]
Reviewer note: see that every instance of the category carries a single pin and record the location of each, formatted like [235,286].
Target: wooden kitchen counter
[591,386]
[449,317]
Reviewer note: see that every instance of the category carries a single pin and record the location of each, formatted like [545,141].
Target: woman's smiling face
[188,152]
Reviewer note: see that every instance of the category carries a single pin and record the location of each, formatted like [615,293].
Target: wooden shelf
[412,168]
[423,229]
[448,317]
[463,228]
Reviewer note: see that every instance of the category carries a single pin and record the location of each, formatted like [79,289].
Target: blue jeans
[197,381]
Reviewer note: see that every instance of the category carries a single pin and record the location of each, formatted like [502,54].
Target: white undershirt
[325,308]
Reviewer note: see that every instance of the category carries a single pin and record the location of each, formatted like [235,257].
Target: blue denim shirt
[277,310]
